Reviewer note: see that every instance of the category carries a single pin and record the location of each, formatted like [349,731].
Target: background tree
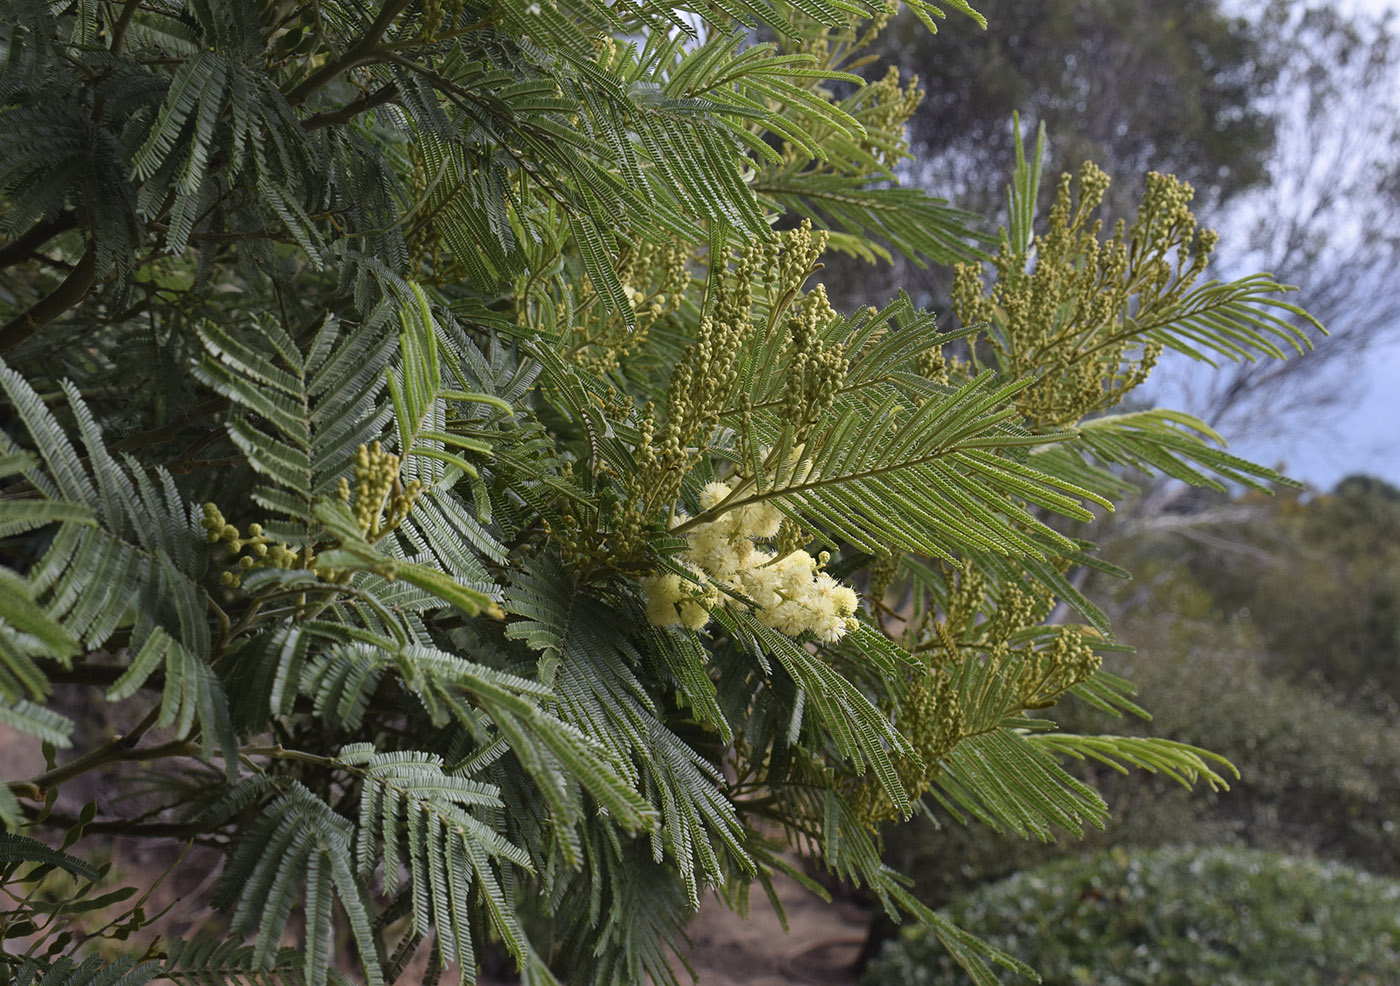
[1325,219]
[1315,578]
[1172,87]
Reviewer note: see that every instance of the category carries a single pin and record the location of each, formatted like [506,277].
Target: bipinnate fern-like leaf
[975,956]
[451,687]
[597,675]
[413,813]
[409,804]
[421,397]
[38,720]
[210,961]
[219,117]
[92,971]
[1239,320]
[298,841]
[354,554]
[121,537]
[1160,442]
[860,213]
[1183,763]
[27,632]
[881,471]
[857,730]
[1002,779]
[15,849]
[302,415]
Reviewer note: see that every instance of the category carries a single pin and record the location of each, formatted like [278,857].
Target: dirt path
[820,948]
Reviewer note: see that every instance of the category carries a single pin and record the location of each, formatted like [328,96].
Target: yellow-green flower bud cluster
[1076,318]
[253,550]
[381,501]
[801,249]
[609,53]
[883,569]
[836,46]
[701,384]
[653,305]
[883,108]
[1018,607]
[1009,631]
[815,369]
[931,718]
[654,281]
[436,13]
[790,592]
[1067,661]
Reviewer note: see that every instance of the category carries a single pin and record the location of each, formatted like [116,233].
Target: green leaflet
[408,798]
[356,555]
[16,849]
[600,688]
[304,414]
[93,971]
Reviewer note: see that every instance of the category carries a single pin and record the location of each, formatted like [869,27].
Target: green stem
[117,749]
[280,752]
[74,289]
[366,49]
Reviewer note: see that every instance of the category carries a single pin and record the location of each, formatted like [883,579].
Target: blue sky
[1364,437]
[1363,433]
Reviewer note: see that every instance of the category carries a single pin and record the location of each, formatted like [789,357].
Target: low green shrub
[1174,917]
[1318,776]
[1319,773]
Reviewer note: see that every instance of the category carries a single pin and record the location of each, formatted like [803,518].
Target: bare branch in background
[1328,220]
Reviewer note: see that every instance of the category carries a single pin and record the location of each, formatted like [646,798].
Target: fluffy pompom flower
[661,593]
[672,600]
[790,593]
[694,615]
[713,493]
[761,520]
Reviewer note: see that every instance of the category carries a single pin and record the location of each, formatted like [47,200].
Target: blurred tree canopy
[1326,218]
[1319,579]
[1165,86]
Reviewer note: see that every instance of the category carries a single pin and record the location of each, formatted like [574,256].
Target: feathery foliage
[424,426]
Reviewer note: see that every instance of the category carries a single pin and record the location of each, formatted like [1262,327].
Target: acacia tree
[423,427]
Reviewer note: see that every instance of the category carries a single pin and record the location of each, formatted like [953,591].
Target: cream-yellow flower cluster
[790,593]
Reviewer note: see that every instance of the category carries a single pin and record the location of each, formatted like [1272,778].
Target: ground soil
[820,947]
